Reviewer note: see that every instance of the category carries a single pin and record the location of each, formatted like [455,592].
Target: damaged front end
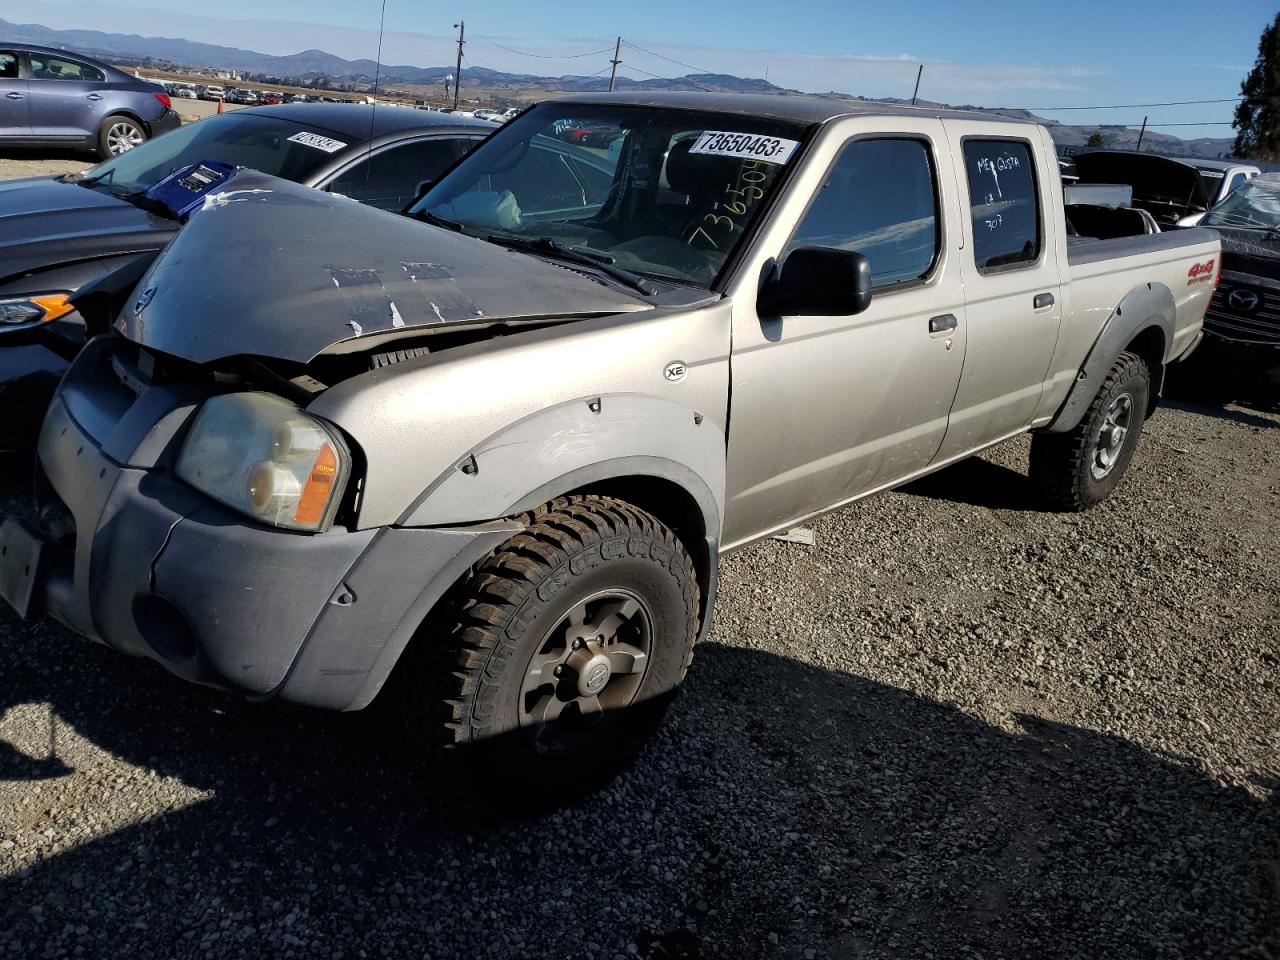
[191,510]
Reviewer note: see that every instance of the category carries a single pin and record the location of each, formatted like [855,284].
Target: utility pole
[617,49]
[1141,133]
[457,73]
[916,92]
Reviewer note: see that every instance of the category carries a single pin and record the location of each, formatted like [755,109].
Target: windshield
[268,144]
[1254,205]
[659,192]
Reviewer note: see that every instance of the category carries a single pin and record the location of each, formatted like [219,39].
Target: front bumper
[133,558]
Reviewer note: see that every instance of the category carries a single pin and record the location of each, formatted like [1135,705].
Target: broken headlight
[262,456]
[29,311]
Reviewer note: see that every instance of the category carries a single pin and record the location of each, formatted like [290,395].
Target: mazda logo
[1242,300]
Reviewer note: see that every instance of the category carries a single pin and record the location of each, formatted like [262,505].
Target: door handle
[943,323]
[1043,300]
[95,96]
[14,96]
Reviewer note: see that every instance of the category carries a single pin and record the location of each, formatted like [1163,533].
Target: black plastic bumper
[166,122]
[137,560]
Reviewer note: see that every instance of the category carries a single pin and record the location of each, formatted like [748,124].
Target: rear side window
[390,179]
[1004,203]
[8,65]
[879,200]
[55,68]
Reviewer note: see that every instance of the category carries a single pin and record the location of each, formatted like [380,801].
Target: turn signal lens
[319,488]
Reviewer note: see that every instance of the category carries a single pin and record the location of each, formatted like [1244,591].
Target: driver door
[14,97]
[825,409]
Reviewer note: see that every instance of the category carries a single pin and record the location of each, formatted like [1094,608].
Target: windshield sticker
[745,146]
[320,143]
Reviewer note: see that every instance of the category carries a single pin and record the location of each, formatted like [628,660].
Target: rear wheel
[120,134]
[1079,469]
[572,639]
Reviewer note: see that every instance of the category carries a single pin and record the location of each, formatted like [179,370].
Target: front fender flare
[575,444]
[1149,305]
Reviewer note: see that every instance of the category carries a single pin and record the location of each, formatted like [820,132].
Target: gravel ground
[955,727]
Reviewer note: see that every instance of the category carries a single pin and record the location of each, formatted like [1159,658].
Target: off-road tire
[461,692]
[114,121]
[1060,462]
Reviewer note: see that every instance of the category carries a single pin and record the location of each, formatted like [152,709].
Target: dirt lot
[957,726]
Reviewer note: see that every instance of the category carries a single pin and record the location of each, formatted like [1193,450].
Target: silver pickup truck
[488,452]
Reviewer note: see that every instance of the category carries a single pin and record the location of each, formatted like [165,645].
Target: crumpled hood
[45,222]
[269,268]
[1249,251]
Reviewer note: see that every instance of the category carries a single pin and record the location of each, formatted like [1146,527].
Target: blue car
[59,99]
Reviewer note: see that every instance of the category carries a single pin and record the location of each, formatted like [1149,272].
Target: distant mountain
[312,65]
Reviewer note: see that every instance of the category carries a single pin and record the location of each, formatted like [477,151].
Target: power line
[1135,106]
[685,80]
[679,63]
[541,56]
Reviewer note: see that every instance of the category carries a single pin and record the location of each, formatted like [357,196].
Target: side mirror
[817,282]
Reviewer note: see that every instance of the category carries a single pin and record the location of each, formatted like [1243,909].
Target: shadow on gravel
[981,483]
[1220,412]
[827,810]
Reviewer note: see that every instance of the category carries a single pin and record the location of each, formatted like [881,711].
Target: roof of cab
[367,121]
[805,108]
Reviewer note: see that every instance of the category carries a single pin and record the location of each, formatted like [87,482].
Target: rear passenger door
[68,98]
[1013,289]
[826,408]
[13,97]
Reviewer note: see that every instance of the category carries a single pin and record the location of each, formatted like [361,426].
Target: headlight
[266,458]
[23,312]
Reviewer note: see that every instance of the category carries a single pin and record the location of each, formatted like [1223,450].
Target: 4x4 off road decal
[1200,272]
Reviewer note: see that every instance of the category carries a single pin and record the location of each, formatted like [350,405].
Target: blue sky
[1034,54]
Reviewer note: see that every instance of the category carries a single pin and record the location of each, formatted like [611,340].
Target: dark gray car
[55,98]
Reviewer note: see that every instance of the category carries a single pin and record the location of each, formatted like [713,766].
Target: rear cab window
[1004,204]
[879,199]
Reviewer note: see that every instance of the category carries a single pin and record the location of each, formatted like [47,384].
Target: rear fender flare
[1149,305]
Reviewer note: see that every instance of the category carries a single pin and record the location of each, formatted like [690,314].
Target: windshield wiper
[600,261]
[437,221]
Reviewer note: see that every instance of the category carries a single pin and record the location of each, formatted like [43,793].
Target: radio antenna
[377,76]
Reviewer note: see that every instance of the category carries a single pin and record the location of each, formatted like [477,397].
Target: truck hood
[45,222]
[1151,177]
[272,269]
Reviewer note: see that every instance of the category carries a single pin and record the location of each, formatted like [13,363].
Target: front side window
[8,65]
[662,192]
[55,68]
[389,179]
[1003,202]
[879,200]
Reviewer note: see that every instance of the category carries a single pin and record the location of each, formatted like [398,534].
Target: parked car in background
[55,98]
[185,93]
[486,459]
[242,97]
[59,233]
[213,91]
[1241,347]
[272,97]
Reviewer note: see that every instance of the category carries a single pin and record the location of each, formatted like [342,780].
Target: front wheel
[1079,469]
[120,134]
[572,638]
